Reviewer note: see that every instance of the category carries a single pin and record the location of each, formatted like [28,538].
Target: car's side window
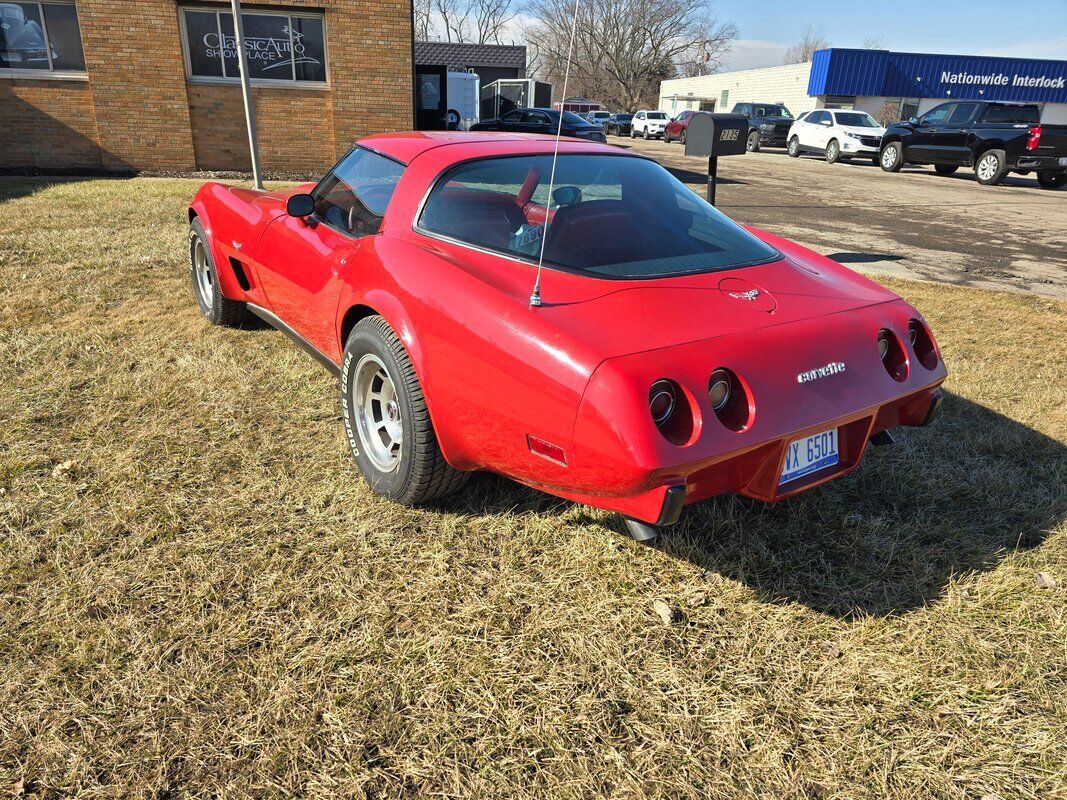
[962,113]
[640,114]
[935,116]
[353,197]
[512,116]
[536,118]
[816,117]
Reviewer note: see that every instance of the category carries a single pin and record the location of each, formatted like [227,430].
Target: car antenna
[535,295]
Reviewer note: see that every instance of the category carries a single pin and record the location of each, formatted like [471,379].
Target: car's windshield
[857,119]
[610,216]
[655,115]
[772,111]
[624,117]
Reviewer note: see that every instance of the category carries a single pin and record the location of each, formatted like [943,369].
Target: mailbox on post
[714,135]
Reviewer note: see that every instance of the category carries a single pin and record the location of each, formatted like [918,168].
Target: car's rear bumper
[1052,164]
[753,471]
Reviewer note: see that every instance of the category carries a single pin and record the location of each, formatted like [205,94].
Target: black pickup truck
[993,138]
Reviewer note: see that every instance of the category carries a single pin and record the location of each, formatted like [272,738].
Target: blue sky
[975,27]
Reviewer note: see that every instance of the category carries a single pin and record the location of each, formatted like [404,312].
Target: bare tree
[463,21]
[874,42]
[624,48]
[887,114]
[812,39]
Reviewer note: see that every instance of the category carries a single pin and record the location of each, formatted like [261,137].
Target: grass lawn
[199,597]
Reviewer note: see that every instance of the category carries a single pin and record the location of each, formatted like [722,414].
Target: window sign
[40,36]
[280,47]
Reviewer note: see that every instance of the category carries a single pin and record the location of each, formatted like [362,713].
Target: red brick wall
[48,125]
[139,112]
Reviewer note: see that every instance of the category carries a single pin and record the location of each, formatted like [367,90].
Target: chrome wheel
[794,147]
[831,152]
[205,281]
[378,417]
[988,166]
[889,157]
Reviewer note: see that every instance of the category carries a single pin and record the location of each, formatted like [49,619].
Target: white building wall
[786,84]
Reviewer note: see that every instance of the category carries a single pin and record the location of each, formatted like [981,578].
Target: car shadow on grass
[944,501]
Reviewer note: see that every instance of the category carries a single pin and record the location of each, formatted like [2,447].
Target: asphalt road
[914,223]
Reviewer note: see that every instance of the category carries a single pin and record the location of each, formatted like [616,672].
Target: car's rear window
[609,216]
[1015,114]
[656,115]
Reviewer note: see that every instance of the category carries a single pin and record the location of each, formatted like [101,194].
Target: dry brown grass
[208,602]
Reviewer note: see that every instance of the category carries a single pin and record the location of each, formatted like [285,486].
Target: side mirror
[300,205]
[827,123]
[566,195]
[913,120]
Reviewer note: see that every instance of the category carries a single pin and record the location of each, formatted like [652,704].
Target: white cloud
[753,54]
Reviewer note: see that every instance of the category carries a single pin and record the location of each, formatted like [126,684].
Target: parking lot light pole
[246,90]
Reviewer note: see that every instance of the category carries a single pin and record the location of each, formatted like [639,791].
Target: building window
[281,47]
[41,37]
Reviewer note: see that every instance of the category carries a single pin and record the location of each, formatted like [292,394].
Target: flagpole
[246,90]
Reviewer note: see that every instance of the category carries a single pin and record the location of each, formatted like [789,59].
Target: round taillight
[662,400]
[719,389]
[892,354]
[922,344]
[883,343]
[730,399]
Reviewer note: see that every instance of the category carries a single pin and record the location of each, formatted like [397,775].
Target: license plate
[808,455]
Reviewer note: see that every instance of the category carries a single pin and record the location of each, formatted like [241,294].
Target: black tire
[666,138]
[217,310]
[681,139]
[891,159]
[833,151]
[990,167]
[945,169]
[1052,180]
[452,120]
[647,137]
[421,473]
[633,133]
[793,148]
[752,142]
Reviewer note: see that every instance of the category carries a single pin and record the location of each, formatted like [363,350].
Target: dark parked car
[543,120]
[994,138]
[769,124]
[618,124]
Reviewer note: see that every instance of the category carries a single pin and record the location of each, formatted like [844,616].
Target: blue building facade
[924,76]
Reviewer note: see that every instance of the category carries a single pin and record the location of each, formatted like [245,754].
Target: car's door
[301,261]
[537,122]
[639,122]
[511,122]
[950,140]
[921,145]
[815,136]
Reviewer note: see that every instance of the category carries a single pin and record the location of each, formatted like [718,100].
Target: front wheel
[794,148]
[386,420]
[646,135]
[217,309]
[1052,180]
[945,169]
[892,158]
[752,144]
[833,152]
[990,168]
[633,133]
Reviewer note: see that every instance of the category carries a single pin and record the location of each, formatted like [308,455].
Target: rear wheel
[1052,180]
[752,144]
[452,120]
[386,419]
[990,168]
[682,137]
[217,310]
[945,169]
[892,157]
[633,133]
[833,152]
[794,148]
[647,137]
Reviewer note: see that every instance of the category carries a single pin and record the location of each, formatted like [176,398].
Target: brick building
[151,84]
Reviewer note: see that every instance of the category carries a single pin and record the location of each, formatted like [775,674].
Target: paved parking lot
[915,223]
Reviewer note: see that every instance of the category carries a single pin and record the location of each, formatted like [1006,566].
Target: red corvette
[672,354]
